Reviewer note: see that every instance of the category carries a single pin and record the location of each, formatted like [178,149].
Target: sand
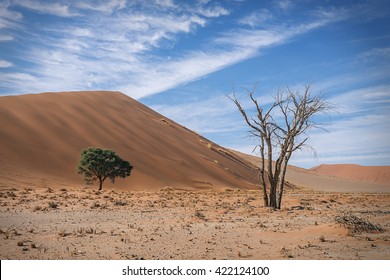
[175,224]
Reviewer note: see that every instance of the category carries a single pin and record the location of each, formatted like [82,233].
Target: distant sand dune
[337,178]
[375,174]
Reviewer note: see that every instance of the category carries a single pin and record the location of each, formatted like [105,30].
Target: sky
[182,59]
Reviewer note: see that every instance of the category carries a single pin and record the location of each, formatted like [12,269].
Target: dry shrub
[120,203]
[95,204]
[53,204]
[11,194]
[356,224]
[200,215]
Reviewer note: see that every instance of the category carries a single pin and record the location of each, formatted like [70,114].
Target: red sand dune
[42,135]
[375,174]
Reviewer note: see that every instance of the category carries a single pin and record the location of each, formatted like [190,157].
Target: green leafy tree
[99,164]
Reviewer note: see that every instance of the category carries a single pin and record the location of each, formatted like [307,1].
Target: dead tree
[282,129]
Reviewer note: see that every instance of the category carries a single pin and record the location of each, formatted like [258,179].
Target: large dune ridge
[42,135]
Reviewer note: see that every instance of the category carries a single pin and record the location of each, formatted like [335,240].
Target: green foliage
[99,164]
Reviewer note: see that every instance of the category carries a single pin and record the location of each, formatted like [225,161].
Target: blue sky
[182,58]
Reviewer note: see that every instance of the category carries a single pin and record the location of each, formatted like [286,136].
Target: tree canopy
[98,164]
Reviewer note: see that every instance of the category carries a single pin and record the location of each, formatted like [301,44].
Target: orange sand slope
[42,135]
[376,174]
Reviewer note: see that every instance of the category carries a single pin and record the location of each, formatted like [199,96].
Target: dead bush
[199,214]
[120,203]
[356,224]
[53,204]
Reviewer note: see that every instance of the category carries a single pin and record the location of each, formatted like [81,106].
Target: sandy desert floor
[168,224]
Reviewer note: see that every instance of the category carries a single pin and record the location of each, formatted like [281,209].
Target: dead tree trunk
[281,185]
[281,135]
[262,175]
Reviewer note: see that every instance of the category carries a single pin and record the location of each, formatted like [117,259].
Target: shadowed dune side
[42,135]
[336,178]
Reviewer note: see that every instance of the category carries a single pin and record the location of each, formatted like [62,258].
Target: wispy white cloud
[51,8]
[284,4]
[252,40]
[6,38]
[24,82]
[102,6]
[166,3]
[361,135]
[256,18]
[363,100]
[379,53]
[154,77]
[228,49]
[9,18]
[5,64]
[81,32]
[108,53]
[213,11]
